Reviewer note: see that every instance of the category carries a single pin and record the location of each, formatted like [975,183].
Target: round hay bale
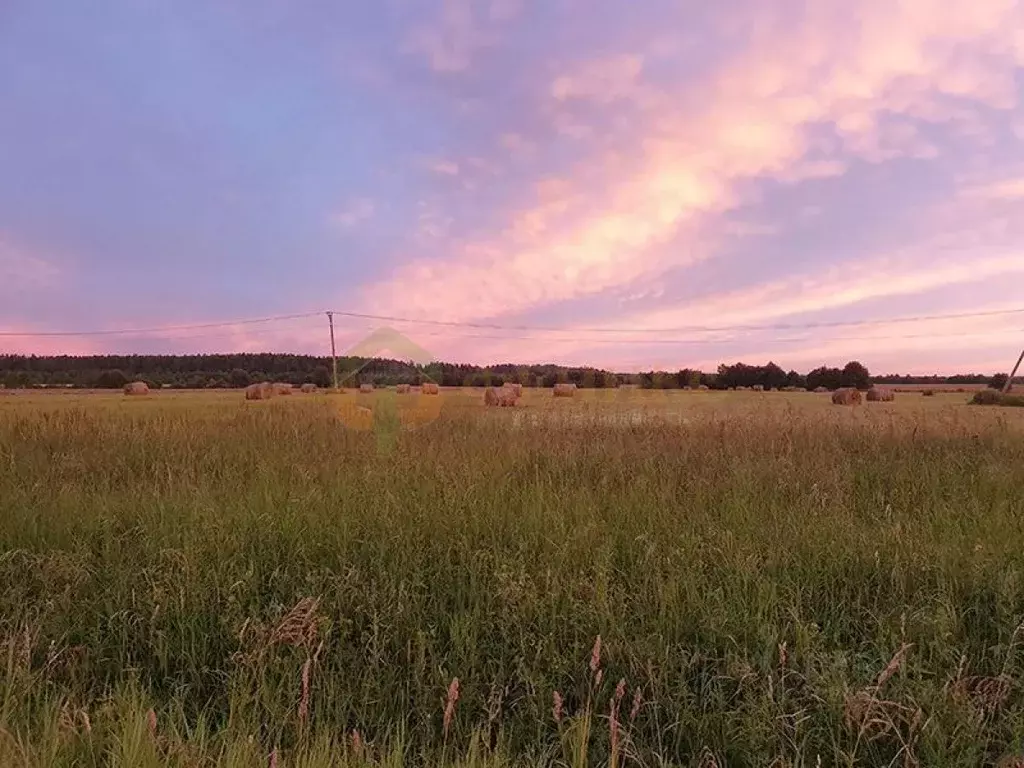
[565,389]
[821,390]
[929,393]
[514,386]
[403,389]
[136,388]
[758,387]
[880,395]
[366,389]
[282,388]
[847,396]
[501,396]
[260,391]
[429,388]
[703,387]
[308,388]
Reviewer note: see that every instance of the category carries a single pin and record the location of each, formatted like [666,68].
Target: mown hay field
[193,579]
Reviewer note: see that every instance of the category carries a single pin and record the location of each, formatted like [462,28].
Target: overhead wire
[175,331]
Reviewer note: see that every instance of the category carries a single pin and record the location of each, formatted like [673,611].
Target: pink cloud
[690,148]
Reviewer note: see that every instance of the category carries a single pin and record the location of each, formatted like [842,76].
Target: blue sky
[597,168]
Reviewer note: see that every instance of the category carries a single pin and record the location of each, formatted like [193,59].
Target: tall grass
[212,583]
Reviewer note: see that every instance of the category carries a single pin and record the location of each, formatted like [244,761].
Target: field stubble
[194,580]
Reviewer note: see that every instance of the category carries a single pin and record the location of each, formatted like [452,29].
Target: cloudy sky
[630,185]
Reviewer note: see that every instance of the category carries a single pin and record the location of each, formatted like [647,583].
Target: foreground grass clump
[212,583]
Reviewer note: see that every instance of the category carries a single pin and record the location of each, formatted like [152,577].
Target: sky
[628,185]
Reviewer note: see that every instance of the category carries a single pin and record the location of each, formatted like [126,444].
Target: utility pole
[1009,381]
[334,355]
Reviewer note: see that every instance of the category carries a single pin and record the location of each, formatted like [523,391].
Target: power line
[688,328]
[158,329]
[535,328]
[796,339]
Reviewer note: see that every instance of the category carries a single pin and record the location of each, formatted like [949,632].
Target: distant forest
[240,370]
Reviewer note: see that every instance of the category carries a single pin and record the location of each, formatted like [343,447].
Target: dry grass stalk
[69,717]
[151,723]
[308,388]
[260,391]
[987,694]
[556,706]
[847,396]
[299,627]
[613,720]
[449,705]
[357,744]
[403,389]
[873,716]
[707,759]
[595,655]
[637,701]
[429,388]
[304,701]
[136,388]
[565,389]
[880,395]
[894,665]
[500,397]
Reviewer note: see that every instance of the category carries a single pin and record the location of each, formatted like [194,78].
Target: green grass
[752,563]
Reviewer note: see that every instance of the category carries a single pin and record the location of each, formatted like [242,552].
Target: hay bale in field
[429,388]
[308,388]
[758,388]
[403,389]
[881,395]
[500,396]
[928,393]
[260,391]
[565,389]
[847,396]
[366,389]
[136,388]
[282,388]
[514,386]
[703,388]
[821,390]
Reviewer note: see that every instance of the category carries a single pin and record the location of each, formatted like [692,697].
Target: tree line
[240,370]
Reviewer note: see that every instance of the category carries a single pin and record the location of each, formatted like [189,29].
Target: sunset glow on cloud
[627,186]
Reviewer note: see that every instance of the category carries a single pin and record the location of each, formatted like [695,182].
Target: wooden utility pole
[334,355]
[1009,380]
